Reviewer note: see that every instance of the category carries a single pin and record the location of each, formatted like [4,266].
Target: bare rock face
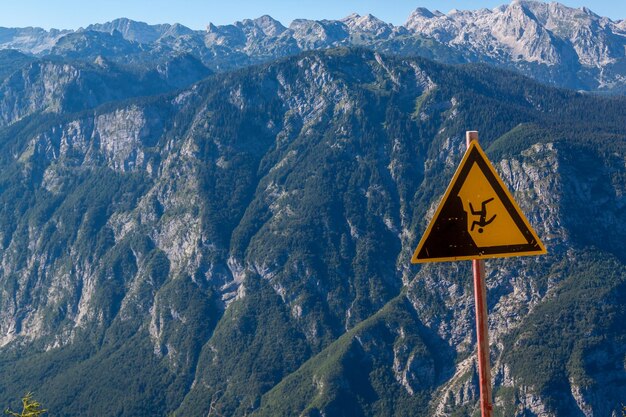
[38,87]
[548,35]
[139,31]
[527,31]
[51,86]
[312,34]
[31,40]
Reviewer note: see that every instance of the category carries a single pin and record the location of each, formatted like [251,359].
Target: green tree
[30,408]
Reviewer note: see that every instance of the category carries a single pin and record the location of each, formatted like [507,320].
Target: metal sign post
[482,325]
[477,219]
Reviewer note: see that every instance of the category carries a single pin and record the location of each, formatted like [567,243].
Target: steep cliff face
[244,245]
[56,86]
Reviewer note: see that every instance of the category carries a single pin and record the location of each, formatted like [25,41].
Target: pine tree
[30,408]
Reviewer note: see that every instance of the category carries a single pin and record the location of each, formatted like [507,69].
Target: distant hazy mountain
[568,47]
[546,40]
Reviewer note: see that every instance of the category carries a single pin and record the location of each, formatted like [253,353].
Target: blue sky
[71,14]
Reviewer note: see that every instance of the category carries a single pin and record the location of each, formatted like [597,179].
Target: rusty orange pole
[482,336]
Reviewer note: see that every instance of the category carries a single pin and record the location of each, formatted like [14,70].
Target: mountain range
[227,230]
[567,47]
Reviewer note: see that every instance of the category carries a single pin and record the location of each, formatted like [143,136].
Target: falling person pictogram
[477,218]
[447,238]
[482,222]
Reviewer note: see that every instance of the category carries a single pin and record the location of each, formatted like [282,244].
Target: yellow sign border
[475,146]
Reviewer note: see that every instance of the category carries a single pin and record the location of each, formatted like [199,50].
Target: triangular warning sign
[477,218]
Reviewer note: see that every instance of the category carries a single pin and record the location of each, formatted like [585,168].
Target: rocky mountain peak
[177,30]
[313,34]
[530,31]
[424,13]
[366,22]
[266,24]
[368,25]
[132,30]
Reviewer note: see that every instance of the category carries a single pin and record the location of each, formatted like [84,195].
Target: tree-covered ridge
[249,237]
[30,85]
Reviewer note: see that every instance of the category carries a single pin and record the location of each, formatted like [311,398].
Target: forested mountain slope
[244,244]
